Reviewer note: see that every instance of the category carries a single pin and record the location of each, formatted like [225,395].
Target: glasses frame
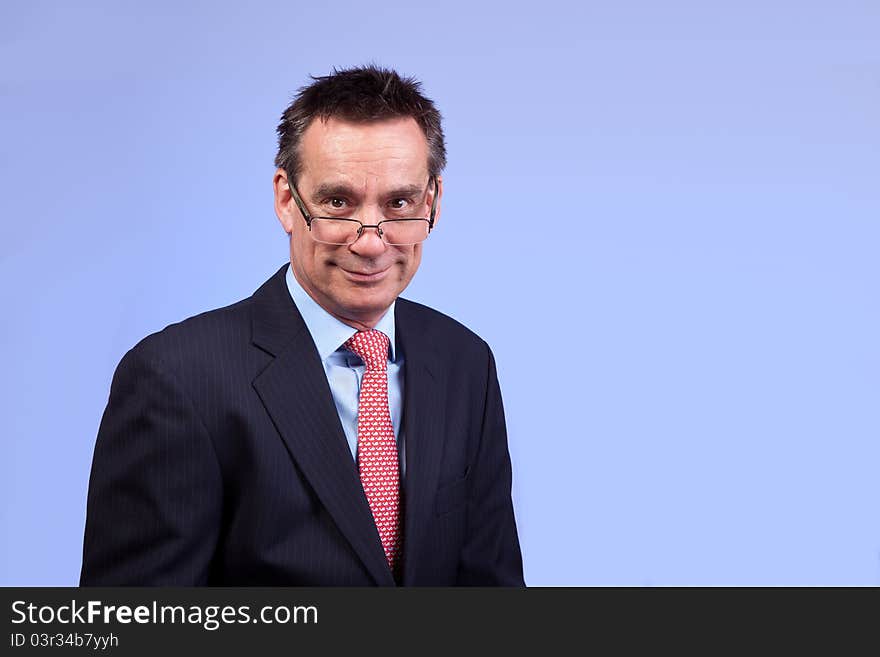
[308,216]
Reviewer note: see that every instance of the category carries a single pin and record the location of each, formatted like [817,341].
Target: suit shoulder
[441,326]
[208,333]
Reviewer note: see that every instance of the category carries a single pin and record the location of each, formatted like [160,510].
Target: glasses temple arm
[433,204]
[299,202]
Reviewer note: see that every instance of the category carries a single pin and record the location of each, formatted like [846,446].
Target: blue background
[664,217]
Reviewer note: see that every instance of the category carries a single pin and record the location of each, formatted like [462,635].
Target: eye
[336,203]
[399,203]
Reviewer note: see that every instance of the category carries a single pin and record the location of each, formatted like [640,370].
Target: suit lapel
[424,431]
[295,393]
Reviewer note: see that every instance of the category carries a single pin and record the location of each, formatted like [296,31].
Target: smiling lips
[365,277]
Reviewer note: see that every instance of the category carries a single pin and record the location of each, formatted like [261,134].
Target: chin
[363,299]
[366,308]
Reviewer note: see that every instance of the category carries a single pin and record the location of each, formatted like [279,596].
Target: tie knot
[371,346]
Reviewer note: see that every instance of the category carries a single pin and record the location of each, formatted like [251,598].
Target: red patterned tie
[377,448]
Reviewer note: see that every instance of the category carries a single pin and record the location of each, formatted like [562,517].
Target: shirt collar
[329,333]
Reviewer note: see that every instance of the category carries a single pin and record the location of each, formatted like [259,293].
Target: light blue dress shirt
[344,369]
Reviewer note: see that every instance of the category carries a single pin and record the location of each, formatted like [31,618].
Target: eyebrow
[341,189]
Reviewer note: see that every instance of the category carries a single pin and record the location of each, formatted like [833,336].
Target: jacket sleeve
[155,492]
[491,553]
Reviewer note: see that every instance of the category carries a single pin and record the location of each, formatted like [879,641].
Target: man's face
[368,171]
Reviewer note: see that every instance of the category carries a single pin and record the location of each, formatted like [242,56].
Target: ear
[285,207]
[439,192]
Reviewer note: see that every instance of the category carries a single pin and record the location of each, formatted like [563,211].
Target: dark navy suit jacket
[221,460]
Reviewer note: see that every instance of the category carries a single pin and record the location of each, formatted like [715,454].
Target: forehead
[388,151]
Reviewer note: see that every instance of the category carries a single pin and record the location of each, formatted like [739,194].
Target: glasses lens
[405,231]
[335,231]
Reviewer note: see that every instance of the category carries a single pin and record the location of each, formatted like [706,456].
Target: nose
[369,244]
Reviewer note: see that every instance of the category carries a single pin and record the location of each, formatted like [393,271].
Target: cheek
[299,243]
[311,254]
[414,257]
[407,259]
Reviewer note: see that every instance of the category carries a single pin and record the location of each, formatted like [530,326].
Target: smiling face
[369,171]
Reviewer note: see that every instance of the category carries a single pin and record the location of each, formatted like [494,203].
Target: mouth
[365,276]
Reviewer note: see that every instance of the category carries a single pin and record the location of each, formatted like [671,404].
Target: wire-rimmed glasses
[344,231]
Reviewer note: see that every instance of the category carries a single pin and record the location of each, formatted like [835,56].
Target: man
[322,431]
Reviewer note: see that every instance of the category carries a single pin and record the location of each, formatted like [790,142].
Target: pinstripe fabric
[220,460]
